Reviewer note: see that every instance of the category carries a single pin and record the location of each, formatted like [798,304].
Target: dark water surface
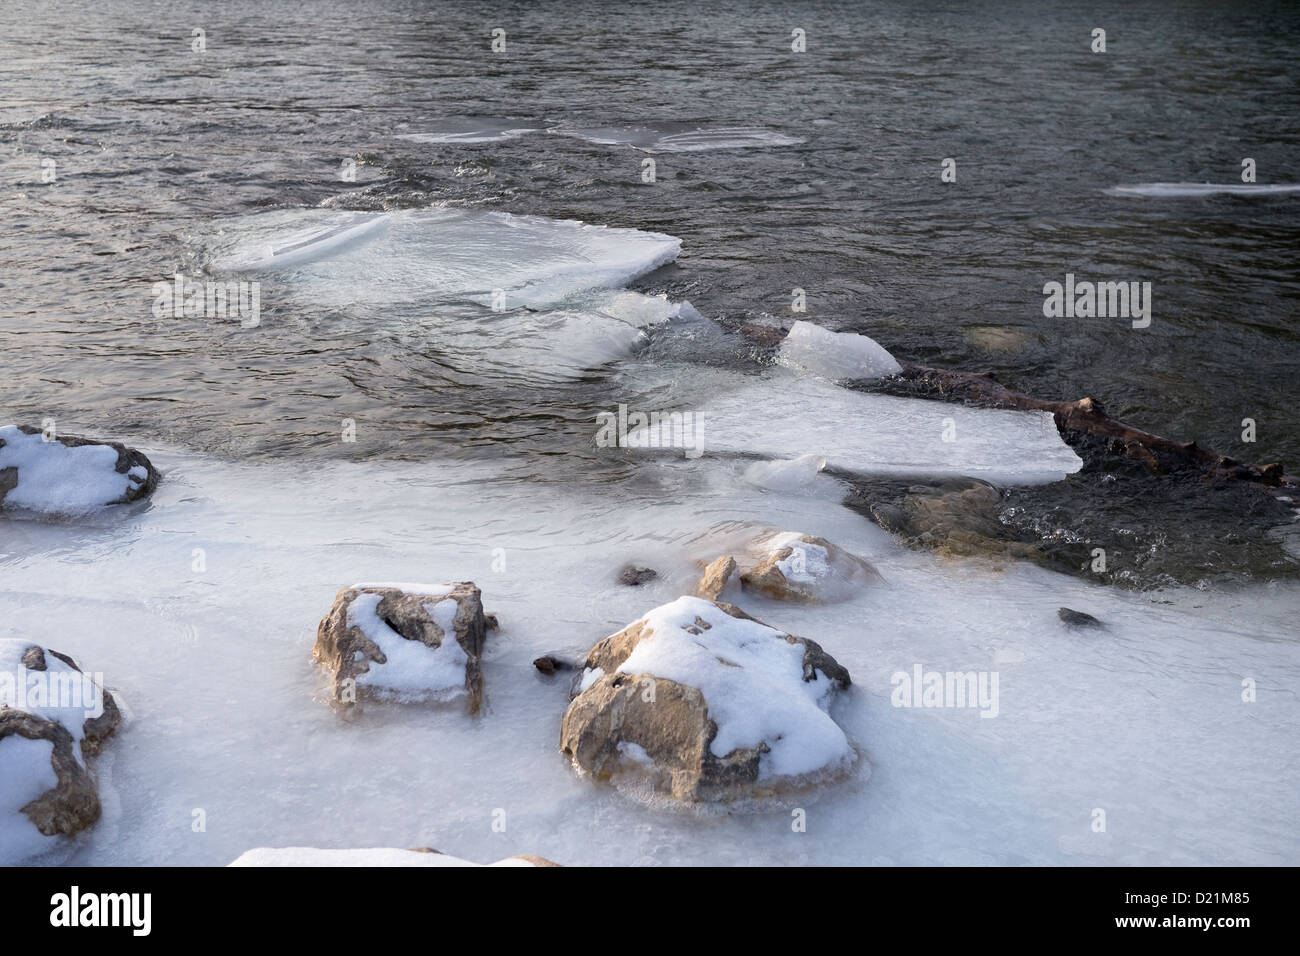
[156,145]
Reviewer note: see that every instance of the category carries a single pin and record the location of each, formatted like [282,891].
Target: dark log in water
[1084,423]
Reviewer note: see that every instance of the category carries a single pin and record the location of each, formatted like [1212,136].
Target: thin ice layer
[54,478]
[752,680]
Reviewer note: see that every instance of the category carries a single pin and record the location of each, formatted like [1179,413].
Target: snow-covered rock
[836,355]
[376,856]
[410,642]
[804,567]
[67,475]
[708,703]
[52,717]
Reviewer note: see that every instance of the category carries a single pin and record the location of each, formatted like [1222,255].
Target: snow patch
[413,670]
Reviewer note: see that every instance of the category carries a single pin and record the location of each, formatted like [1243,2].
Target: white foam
[54,478]
[835,355]
[1205,189]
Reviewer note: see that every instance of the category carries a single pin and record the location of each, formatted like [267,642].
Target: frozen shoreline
[225,711]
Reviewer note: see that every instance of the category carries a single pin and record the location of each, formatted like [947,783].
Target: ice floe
[681,138]
[442,254]
[1205,189]
[788,416]
[835,355]
[469,130]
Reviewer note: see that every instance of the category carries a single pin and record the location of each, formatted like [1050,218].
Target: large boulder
[707,703]
[405,641]
[52,717]
[68,475]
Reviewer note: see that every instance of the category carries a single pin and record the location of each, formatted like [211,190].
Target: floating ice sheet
[1205,189]
[471,130]
[439,254]
[835,355]
[786,416]
[680,138]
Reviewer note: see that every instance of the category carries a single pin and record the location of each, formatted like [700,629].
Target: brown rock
[72,804]
[347,652]
[663,726]
[831,576]
[715,578]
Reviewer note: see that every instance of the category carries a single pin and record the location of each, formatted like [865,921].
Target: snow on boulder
[839,356]
[409,642]
[52,717]
[377,856]
[67,475]
[803,567]
[707,703]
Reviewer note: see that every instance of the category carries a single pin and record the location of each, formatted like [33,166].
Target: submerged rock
[633,576]
[371,856]
[406,641]
[804,567]
[69,475]
[1077,618]
[52,717]
[960,516]
[706,702]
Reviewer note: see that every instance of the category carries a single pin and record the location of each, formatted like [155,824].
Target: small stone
[549,664]
[635,577]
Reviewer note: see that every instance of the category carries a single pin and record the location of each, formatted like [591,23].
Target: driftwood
[1084,423]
